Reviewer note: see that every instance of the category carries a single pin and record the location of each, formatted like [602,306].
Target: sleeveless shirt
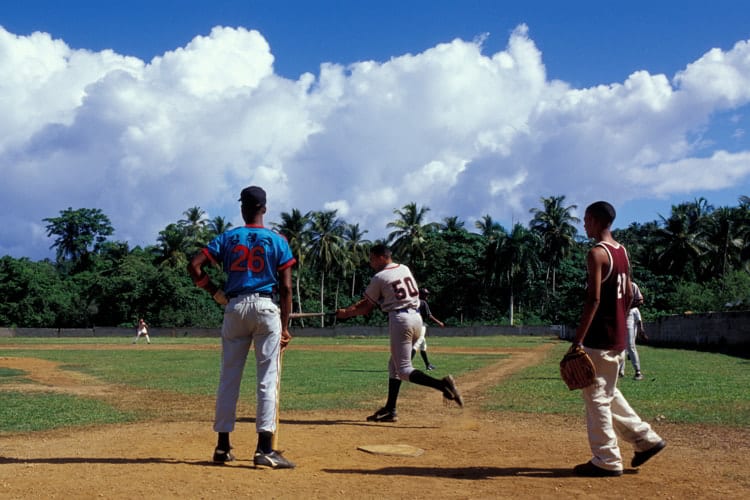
[608,330]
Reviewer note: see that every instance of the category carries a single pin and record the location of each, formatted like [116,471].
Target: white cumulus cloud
[453,128]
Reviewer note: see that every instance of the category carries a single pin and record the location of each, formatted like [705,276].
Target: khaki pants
[609,415]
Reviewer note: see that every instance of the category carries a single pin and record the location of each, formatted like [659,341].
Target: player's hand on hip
[286,337]
[220,297]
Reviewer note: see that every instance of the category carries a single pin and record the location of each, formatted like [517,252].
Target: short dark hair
[253,200]
[380,250]
[602,211]
[249,212]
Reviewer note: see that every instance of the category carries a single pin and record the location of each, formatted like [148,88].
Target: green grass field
[680,386]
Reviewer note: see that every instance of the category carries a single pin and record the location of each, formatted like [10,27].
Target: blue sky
[145,109]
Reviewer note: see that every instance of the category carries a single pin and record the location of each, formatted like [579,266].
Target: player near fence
[421,343]
[257,262]
[635,331]
[602,333]
[141,329]
[394,289]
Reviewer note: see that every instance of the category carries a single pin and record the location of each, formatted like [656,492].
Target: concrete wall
[704,329]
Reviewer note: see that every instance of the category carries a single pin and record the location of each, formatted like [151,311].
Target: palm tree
[217,226]
[555,225]
[488,228]
[726,242]
[195,217]
[743,223]
[494,235]
[681,240]
[356,248]
[173,246]
[452,224]
[410,234]
[326,248]
[517,259]
[294,227]
[194,224]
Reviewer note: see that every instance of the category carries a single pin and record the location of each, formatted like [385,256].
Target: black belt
[406,310]
[267,295]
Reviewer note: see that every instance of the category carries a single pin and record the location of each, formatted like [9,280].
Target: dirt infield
[468,454]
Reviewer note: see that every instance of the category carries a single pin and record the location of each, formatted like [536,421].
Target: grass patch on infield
[680,386]
[21,412]
[11,375]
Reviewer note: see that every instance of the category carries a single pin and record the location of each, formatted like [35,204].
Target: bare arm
[595,261]
[640,330]
[361,308]
[202,280]
[285,304]
[439,323]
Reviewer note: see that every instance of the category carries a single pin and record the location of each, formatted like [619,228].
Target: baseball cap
[253,196]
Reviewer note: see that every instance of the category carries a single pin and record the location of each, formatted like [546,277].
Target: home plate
[398,450]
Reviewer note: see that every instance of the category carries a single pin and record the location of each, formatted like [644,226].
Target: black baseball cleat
[590,470]
[450,391]
[430,367]
[274,460]
[383,415]
[641,457]
[221,456]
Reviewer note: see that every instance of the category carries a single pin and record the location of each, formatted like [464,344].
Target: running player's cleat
[383,415]
[273,460]
[450,391]
[221,456]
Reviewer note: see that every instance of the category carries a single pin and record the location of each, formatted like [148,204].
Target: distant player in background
[421,343]
[141,329]
[635,331]
[395,291]
[257,262]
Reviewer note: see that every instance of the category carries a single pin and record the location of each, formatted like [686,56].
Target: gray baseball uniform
[395,290]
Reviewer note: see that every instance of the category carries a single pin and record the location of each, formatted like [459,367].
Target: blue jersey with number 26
[251,257]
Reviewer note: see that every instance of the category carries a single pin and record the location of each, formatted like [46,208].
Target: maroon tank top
[608,330]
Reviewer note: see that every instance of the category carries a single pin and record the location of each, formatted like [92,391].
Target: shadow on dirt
[361,423]
[471,473]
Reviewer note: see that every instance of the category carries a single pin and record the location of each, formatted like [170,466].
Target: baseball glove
[576,368]
[641,336]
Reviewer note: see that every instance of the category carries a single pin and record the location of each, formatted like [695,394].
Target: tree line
[696,259]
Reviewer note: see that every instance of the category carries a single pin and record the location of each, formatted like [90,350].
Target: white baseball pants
[249,319]
[403,328]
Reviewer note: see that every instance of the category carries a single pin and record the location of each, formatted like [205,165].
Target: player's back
[394,288]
